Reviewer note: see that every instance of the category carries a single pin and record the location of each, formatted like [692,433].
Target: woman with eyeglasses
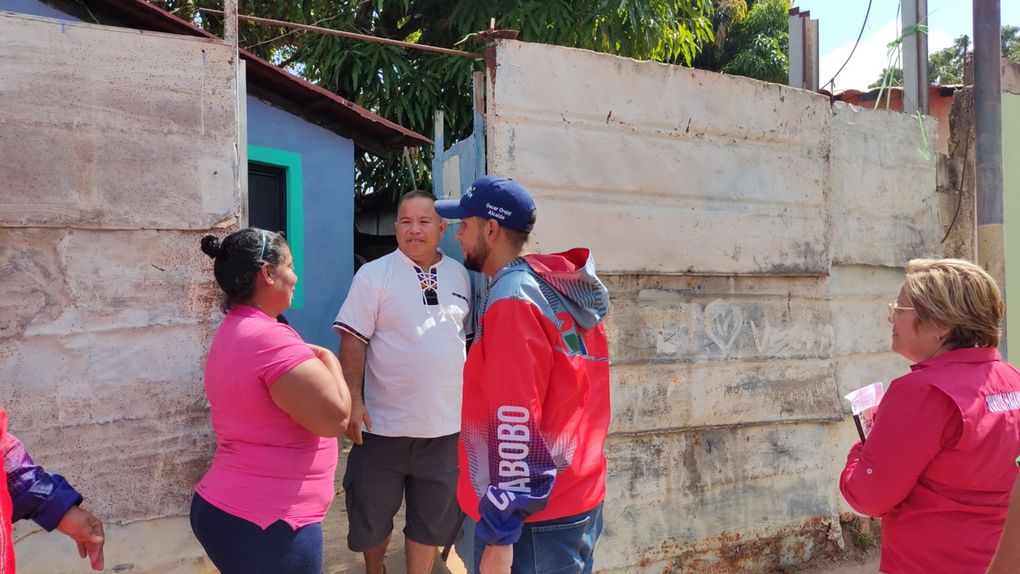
[938,465]
[277,406]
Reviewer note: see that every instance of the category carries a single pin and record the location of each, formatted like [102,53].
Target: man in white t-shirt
[403,330]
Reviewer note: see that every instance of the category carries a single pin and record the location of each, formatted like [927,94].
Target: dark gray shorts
[384,470]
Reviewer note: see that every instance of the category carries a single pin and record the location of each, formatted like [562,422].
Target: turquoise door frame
[290,162]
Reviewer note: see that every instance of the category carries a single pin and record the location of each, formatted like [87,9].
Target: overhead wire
[352,35]
[854,49]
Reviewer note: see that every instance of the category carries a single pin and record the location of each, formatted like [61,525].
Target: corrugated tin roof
[866,95]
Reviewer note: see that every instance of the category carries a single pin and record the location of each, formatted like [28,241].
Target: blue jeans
[237,546]
[558,546]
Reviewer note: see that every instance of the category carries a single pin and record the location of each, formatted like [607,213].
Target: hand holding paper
[863,403]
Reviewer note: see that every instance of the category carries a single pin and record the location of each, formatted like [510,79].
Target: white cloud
[870,58]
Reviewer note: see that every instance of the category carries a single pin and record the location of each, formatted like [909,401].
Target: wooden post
[478,118]
[230,22]
[438,155]
[240,110]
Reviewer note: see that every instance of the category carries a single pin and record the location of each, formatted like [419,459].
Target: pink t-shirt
[267,467]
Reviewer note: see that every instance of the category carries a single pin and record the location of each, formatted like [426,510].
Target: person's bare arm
[1008,555]
[332,363]
[352,359]
[311,393]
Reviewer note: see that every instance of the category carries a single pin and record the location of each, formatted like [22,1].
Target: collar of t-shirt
[403,257]
[242,310]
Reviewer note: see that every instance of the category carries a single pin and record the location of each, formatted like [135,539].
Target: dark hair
[516,238]
[413,194]
[239,258]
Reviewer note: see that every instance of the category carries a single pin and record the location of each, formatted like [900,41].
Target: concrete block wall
[119,152]
[750,235]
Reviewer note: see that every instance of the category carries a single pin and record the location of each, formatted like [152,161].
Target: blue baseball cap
[493,197]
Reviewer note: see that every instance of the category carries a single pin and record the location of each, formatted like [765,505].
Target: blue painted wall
[327,162]
[33,8]
[466,150]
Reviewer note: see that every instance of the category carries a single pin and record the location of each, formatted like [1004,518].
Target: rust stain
[734,553]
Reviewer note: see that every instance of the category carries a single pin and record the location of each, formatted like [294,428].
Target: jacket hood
[571,274]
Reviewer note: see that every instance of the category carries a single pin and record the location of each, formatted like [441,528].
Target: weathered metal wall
[117,152]
[750,235]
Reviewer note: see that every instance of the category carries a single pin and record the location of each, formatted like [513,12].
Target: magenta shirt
[267,467]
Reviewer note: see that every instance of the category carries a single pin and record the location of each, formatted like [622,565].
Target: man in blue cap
[536,391]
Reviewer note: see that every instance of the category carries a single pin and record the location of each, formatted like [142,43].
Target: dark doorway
[267,197]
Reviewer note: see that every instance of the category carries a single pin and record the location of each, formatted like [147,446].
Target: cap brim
[451,209]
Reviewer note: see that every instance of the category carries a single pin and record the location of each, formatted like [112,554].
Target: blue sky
[839,22]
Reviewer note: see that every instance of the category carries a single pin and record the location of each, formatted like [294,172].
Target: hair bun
[211,246]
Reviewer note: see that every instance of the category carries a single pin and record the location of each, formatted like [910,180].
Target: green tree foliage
[1010,42]
[751,39]
[408,86]
[889,77]
[945,67]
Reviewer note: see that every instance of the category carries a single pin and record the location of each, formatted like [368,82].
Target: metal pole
[810,52]
[915,56]
[988,141]
[795,28]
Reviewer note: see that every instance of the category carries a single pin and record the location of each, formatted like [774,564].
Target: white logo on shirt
[1003,402]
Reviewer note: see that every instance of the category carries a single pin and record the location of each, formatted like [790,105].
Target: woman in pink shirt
[937,465]
[277,405]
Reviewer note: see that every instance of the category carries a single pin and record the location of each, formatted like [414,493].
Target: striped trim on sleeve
[340,326]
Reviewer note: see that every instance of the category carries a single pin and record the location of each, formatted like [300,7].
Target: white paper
[864,402]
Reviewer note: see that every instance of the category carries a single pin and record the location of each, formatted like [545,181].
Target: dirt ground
[854,560]
[864,564]
[867,564]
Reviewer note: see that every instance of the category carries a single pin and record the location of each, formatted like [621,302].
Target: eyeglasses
[894,307]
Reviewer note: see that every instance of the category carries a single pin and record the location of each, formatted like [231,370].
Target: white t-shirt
[414,321]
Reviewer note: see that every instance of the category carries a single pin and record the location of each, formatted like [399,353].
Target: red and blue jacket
[536,397]
[31,493]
